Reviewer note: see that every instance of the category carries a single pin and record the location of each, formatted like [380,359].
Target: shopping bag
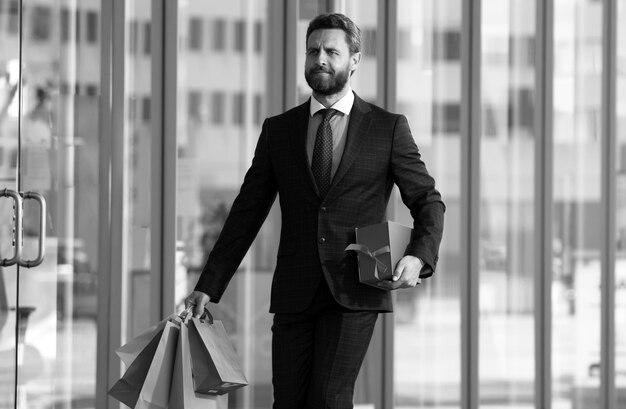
[146,383]
[128,387]
[182,393]
[155,392]
[129,351]
[215,365]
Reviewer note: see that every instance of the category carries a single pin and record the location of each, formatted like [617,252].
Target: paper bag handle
[206,315]
[184,314]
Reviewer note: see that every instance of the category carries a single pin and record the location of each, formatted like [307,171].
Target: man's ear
[355,59]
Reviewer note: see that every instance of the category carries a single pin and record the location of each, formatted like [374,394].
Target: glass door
[48,202]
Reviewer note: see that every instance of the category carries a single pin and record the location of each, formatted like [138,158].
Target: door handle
[17,231]
[17,227]
[42,230]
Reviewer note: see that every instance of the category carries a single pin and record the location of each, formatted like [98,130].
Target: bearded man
[333,162]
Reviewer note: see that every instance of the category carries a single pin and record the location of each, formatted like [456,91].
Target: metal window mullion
[168,157]
[277,56]
[157,114]
[111,260]
[387,58]
[543,202]
[104,328]
[386,95]
[290,52]
[470,200]
[608,203]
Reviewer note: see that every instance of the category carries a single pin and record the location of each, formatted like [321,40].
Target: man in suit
[333,170]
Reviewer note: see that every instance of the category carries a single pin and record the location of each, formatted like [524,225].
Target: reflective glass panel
[221,100]
[364,13]
[138,151]
[9,142]
[49,107]
[507,233]
[307,10]
[577,235]
[427,329]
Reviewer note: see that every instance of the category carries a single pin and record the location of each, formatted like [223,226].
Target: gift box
[379,247]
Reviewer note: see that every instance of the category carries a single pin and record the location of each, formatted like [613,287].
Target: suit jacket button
[322,240]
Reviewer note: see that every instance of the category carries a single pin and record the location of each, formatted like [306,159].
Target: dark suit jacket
[379,152]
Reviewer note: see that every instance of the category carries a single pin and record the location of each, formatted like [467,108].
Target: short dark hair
[340,21]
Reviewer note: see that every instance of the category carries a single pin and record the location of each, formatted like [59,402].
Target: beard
[329,84]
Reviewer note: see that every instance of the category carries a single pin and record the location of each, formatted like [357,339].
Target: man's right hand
[198,300]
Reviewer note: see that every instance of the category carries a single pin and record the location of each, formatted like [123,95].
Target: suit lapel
[357,131]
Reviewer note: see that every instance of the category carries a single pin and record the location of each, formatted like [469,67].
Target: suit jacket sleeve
[247,214]
[417,189]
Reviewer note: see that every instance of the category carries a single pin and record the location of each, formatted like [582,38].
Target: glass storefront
[222,84]
[507,166]
[427,320]
[576,226]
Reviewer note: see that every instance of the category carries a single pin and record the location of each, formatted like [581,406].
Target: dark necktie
[322,162]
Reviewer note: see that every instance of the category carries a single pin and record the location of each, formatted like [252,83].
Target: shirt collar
[344,105]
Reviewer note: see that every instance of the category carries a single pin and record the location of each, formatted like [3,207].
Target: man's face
[328,61]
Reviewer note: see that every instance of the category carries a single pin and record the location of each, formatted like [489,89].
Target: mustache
[322,70]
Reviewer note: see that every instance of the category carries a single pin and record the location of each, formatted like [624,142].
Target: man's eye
[311,52]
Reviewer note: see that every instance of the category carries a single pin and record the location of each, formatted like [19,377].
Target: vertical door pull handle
[16,234]
[42,230]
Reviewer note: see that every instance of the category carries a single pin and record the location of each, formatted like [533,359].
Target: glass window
[213,156]
[92,27]
[507,233]
[65,28]
[427,331]
[369,42]
[218,34]
[195,34]
[405,47]
[133,37]
[14,17]
[147,38]
[78,25]
[446,45]
[145,109]
[240,35]
[446,118]
[41,23]
[258,36]
[239,108]
[193,104]
[576,204]
[258,109]
[218,106]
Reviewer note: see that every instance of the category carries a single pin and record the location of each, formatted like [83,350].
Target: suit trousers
[317,354]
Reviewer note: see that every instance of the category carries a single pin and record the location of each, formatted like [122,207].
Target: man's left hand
[406,274]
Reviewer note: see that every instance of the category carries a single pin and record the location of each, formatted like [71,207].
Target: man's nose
[322,58]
